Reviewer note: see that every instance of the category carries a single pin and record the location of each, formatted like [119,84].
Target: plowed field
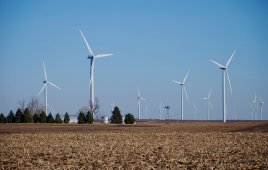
[153,145]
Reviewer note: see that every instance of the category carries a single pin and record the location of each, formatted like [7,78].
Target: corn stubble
[146,146]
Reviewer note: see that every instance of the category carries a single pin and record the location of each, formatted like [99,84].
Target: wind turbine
[113,105]
[46,82]
[252,111]
[160,109]
[254,106]
[209,103]
[182,89]
[224,73]
[261,103]
[195,109]
[92,58]
[139,103]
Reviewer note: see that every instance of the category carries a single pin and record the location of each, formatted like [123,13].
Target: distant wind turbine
[139,103]
[92,58]
[46,82]
[195,109]
[224,73]
[261,104]
[254,102]
[209,103]
[182,89]
[160,109]
[113,105]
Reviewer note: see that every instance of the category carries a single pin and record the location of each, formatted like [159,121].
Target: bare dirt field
[146,145]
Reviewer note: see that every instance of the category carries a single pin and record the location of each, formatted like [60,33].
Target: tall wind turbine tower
[224,73]
[195,109]
[209,103]
[46,82]
[160,109]
[139,103]
[182,89]
[92,58]
[254,106]
[261,104]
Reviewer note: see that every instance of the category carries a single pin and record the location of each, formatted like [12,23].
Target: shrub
[58,118]
[18,116]
[11,117]
[2,118]
[89,118]
[42,117]
[66,118]
[50,118]
[81,118]
[116,117]
[26,117]
[129,119]
[36,118]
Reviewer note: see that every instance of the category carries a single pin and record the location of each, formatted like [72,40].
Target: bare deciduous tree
[21,104]
[34,106]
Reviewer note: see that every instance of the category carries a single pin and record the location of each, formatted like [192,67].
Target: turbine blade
[54,85]
[229,82]
[185,77]
[102,55]
[185,92]
[45,71]
[228,62]
[209,93]
[139,92]
[210,105]
[42,89]
[88,47]
[177,82]
[218,64]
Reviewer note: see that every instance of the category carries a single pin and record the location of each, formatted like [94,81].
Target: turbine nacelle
[44,81]
[90,57]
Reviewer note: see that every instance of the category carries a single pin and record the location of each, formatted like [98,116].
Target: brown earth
[146,145]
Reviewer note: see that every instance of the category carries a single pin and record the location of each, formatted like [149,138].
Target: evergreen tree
[18,116]
[11,117]
[89,118]
[81,118]
[42,117]
[58,118]
[116,117]
[36,118]
[2,118]
[50,118]
[66,118]
[129,119]
[26,118]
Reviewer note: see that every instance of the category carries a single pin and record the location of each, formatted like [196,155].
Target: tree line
[26,117]
[34,113]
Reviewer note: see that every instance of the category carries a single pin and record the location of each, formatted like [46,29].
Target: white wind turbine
[254,106]
[195,109]
[160,109]
[92,58]
[139,103]
[224,73]
[46,82]
[209,103]
[261,104]
[113,105]
[182,89]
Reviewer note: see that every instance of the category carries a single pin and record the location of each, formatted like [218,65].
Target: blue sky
[154,42]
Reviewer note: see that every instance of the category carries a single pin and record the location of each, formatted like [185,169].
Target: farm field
[146,145]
